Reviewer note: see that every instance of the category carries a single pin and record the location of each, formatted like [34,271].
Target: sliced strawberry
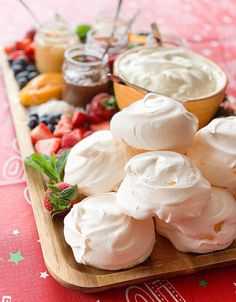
[10,48]
[64,126]
[22,45]
[101,126]
[30,34]
[17,54]
[87,133]
[40,132]
[79,119]
[72,138]
[48,146]
[62,150]
[30,50]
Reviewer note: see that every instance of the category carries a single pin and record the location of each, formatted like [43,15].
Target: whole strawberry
[60,198]
[102,108]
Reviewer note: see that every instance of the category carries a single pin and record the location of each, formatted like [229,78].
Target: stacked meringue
[138,158]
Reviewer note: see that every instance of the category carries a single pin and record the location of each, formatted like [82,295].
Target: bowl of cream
[178,73]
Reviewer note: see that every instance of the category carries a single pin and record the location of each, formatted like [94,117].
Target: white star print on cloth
[44,275]
[15,232]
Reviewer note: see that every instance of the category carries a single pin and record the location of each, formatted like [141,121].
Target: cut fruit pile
[21,59]
[53,134]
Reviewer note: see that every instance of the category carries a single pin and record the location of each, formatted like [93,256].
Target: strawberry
[22,45]
[30,50]
[17,54]
[72,138]
[40,132]
[101,126]
[87,133]
[102,108]
[64,126]
[79,119]
[48,146]
[10,48]
[59,198]
[30,34]
[61,150]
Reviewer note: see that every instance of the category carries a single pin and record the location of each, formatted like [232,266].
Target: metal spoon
[29,10]
[156,33]
[119,80]
[131,21]
[117,12]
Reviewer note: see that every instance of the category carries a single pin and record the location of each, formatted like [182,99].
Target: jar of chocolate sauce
[85,74]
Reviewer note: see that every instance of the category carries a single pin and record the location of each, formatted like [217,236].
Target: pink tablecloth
[209,28]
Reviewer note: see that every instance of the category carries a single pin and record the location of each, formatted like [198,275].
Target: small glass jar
[85,74]
[51,41]
[100,39]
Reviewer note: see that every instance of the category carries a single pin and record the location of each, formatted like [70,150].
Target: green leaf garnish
[51,166]
[109,103]
[82,30]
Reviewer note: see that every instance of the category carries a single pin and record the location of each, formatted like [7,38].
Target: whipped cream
[53,107]
[214,152]
[166,184]
[155,123]
[102,236]
[175,72]
[96,164]
[213,230]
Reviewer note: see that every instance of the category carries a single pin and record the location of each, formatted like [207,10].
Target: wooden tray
[165,260]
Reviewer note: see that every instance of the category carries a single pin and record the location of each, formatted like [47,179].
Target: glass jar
[100,39]
[51,41]
[85,74]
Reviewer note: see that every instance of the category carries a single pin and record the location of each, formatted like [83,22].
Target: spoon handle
[117,12]
[29,10]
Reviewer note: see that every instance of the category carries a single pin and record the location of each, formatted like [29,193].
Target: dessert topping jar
[51,41]
[85,74]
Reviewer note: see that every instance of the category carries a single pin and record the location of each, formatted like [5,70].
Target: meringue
[214,229]
[102,236]
[96,164]
[214,152]
[155,123]
[166,184]
[174,72]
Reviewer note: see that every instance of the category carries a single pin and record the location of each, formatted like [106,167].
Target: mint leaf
[61,162]
[50,166]
[82,30]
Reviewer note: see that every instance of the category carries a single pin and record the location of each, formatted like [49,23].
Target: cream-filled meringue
[166,184]
[96,164]
[214,229]
[102,236]
[155,123]
[214,152]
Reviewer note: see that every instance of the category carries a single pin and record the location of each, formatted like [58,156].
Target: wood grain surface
[165,260]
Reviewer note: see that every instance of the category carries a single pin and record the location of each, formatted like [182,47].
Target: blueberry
[31,67]
[43,119]
[10,61]
[51,127]
[22,74]
[22,81]
[35,115]
[33,122]
[16,68]
[21,61]
[32,74]
[57,117]
[53,119]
